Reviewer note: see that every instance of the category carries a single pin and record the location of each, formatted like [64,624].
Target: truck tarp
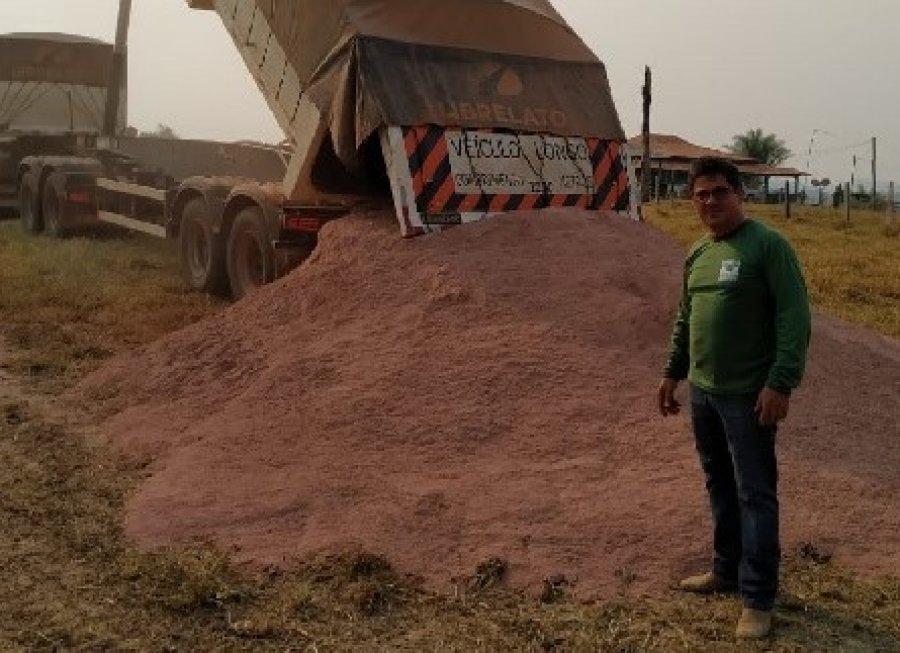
[54,58]
[488,64]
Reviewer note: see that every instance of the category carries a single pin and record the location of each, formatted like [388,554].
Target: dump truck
[445,112]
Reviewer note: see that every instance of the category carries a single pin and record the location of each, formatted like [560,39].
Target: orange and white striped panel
[457,172]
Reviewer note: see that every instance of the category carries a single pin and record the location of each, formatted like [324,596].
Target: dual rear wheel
[237,263]
[53,203]
[250,255]
[201,251]
[29,209]
[44,209]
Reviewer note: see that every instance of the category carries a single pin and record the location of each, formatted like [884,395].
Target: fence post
[848,202]
[659,171]
[787,200]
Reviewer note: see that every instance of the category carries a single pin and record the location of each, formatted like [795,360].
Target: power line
[844,148]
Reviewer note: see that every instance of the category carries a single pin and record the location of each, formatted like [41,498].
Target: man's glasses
[716,194]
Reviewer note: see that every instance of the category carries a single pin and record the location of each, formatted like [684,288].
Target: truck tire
[251,256]
[54,206]
[201,251]
[29,208]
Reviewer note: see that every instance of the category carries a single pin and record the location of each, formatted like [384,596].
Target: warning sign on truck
[512,163]
[448,176]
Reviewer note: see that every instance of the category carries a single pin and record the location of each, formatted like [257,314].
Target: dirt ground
[486,394]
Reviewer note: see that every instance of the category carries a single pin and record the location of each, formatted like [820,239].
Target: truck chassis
[234,233]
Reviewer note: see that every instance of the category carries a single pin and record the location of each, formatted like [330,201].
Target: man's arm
[791,320]
[678,362]
[791,317]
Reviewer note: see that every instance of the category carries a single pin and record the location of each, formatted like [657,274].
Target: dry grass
[852,269]
[70,581]
[67,305]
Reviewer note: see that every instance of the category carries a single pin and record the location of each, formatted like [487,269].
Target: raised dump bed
[476,106]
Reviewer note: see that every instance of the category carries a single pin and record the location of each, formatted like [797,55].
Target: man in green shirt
[740,339]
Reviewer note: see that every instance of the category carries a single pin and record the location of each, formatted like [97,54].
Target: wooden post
[787,199]
[659,178]
[646,171]
[71,112]
[847,200]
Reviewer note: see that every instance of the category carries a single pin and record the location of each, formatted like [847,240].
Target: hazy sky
[801,69]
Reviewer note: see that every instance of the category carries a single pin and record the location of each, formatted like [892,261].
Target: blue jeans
[737,455]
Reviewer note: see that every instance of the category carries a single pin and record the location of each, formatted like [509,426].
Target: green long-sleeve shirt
[744,319]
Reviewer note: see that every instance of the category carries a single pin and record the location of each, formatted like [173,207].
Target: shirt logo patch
[730,270]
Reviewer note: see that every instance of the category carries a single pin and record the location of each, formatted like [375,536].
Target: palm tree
[767,148]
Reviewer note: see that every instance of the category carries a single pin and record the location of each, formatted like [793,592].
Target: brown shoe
[707,583]
[754,624]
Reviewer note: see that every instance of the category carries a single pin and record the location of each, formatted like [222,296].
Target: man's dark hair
[709,166]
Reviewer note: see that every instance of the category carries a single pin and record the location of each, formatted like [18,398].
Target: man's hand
[771,406]
[668,405]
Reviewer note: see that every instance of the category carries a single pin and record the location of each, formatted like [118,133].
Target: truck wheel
[54,205]
[29,211]
[251,257]
[202,255]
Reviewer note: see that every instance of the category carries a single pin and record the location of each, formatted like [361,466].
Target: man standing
[740,339]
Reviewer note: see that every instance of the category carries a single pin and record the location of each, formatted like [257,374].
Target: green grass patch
[69,304]
[852,268]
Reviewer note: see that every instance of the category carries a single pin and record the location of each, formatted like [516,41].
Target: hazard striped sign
[481,171]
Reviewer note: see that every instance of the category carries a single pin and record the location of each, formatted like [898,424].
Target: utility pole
[812,138]
[646,171]
[119,70]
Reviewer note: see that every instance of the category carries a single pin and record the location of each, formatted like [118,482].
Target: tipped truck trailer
[467,108]
[448,112]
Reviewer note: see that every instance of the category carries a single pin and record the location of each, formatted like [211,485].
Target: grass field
[67,305]
[70,581]
[852,269]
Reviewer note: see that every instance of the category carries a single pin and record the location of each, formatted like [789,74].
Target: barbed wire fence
[860,154]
